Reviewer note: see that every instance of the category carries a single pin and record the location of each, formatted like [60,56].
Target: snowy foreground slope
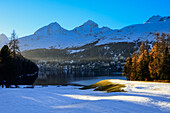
[54,36]
[142,97]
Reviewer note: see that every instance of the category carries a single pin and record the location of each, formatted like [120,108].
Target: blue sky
[26,16]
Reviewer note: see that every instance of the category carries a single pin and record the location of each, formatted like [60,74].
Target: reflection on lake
[61,77]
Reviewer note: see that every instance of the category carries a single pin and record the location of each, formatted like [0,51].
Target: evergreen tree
[159,63]
[13,44]
[165,71]
[14,68]
[150,66]
[6,61]
[155,59]
[165,60]
[142,69]
[127,68]
[134,66]
[142,48]
[5,54]
[143,60]
[4,64]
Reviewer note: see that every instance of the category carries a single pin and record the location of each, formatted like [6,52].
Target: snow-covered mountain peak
[3,36]
[106,29]
[3,39]
[50,29]
[156,19]
[91,24]
[87,28]
[54,25]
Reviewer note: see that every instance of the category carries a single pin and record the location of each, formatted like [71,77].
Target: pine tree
[127,68]
[13,44]
[134,66]
[142,48]
[165,71]
[6,61]
[150,66]
[159,56]
[165,60]
[155,59]
[143,60]
[142,69]
[5,54]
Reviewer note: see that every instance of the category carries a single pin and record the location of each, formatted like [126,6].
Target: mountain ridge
[55,36]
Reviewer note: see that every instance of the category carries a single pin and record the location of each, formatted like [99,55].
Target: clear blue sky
[26,16]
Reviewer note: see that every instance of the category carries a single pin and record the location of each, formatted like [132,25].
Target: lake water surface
[63,77]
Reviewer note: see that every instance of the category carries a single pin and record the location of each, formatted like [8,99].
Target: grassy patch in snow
[105,85]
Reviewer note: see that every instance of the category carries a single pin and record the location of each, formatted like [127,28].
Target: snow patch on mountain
[75,51]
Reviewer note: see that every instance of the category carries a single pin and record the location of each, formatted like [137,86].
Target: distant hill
[87,53]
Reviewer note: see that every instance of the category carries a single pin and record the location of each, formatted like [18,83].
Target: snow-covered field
[141,97]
